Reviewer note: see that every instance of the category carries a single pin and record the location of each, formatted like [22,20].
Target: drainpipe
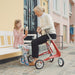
[38,2]
[48,6]
[38,20]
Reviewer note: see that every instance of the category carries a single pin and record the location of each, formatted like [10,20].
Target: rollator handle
[46,30]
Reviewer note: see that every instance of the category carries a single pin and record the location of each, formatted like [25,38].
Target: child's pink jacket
[18,38]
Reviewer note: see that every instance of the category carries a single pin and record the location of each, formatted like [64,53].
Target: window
[25,15]
[25,2]
[56,5]
[44,3]
[65,7]
[70,7]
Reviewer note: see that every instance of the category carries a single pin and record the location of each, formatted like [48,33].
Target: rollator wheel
[60,62]
[51,60]
[30,58]
[39,64]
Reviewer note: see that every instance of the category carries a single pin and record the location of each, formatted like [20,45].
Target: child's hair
[15,24]
[39,8]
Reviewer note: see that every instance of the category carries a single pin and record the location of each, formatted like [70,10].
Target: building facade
[72,21]
[62,12]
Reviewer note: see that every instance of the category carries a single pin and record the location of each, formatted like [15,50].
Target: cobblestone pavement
[68,54]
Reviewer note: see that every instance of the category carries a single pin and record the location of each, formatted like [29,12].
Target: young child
[19,40]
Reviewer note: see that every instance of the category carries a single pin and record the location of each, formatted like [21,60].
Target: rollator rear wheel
[60,62]
[51,60]
[39,64]
[30,58]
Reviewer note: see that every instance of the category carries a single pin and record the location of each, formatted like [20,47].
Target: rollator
[39,64]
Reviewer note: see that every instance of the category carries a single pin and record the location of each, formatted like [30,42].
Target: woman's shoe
[32,64]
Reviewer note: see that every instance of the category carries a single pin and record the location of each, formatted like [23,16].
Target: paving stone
[15,68]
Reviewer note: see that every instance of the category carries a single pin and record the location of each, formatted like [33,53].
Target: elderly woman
[45,22]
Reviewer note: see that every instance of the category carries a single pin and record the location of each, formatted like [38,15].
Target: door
[65,33]
[25,13]
[30,19]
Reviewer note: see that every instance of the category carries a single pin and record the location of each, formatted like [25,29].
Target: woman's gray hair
[39,8]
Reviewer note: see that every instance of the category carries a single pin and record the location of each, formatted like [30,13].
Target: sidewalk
[68,54]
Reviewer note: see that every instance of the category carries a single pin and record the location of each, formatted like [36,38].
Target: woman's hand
[26,31]
[22,32]
[39,30]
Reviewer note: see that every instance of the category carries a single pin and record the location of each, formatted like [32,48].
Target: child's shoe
[25,59]
[22,60]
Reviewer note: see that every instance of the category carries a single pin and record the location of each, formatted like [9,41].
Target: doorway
[30,19]
[65,33]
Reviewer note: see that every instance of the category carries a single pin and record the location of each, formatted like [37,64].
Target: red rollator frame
[50,51]
[40,63]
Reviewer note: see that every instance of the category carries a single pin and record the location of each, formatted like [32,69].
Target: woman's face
[38,13]
[19,25]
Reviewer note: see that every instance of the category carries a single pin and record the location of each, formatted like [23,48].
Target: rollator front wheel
[30,58]
[60,62]
[39,64]
[51,60]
